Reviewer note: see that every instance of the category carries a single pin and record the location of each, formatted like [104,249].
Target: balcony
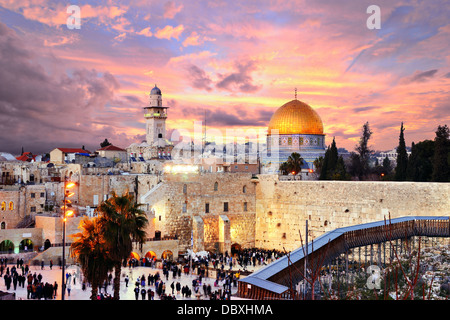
[155,115]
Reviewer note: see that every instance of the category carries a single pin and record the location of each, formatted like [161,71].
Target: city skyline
[233,63]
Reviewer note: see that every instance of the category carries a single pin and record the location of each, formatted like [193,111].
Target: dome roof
[296,117]
[155,90]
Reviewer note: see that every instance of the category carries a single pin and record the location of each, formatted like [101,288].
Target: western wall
[282,207]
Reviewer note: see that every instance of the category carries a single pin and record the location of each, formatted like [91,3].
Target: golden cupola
[295,117]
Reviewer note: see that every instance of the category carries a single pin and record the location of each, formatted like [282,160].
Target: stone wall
[282,207]
[26,200]
[181,198]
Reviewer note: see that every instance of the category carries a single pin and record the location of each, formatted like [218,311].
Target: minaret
[155,115]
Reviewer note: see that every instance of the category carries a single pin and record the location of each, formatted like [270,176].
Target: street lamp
[68,211]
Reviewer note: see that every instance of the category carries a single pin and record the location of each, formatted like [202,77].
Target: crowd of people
[212,274]
[227,270]
[18,275]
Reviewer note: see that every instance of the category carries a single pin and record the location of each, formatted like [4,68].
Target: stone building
[216,209]
[294,127]
[156,145]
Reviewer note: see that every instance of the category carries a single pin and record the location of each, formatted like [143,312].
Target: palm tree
[90,251]
[124,223]
[295,162]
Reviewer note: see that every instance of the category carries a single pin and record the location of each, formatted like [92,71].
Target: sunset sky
[235,61]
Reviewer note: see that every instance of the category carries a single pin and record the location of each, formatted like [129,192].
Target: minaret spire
[295,93]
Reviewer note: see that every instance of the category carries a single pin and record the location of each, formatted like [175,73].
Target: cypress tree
[441,158]
[402,157]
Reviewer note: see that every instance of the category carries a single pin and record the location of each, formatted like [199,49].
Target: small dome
[155,90]
[296,117]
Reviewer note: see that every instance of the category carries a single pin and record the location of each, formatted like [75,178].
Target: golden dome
[295,117]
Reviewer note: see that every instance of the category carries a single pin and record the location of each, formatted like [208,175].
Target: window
[244,189]
[33,209]
[225,207]
[216,186]
[42,194]
[3,206]
[11,205]
[207,207]
[32,195]
[245,206]
[184,207]
[3,225]
[185,188]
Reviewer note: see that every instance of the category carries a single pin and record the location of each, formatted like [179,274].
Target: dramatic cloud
[239,61]
[198,78]
[240,79]
[420,76]
[42,111]
[171,9]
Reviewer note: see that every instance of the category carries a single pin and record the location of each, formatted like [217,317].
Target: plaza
[126,293]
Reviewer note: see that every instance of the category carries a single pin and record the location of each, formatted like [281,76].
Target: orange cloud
[146,32]
[169,32]
[170,10]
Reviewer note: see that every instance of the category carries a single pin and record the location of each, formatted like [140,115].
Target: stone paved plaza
[126,293]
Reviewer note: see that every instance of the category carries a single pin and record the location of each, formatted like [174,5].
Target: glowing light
[181,169]
[69,213]
[70,185]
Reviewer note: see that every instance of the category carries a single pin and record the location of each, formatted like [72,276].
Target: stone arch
[47,244]
[235,248]
[7,246]
[26,245]
[134,255]
[167,255]
[150,255]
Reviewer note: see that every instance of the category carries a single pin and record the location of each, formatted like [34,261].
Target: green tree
[387,166]
[360,163]
[318,165]
[441,157]
[284,168]
[333,166]
[105,143]
[124,223]
[420,162]
[402,158]
[89,249]
[295,163]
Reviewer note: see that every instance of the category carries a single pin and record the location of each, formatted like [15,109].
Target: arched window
[216,186]
[3,206]
[11,205]
[185,188]
[3,225]
[244,189]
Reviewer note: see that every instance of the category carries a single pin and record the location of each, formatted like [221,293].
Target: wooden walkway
[274,281]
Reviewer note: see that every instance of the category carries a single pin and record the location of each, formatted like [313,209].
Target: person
[126,280]
[51,264]
[136,292]
[143,293]
[69,287]
[55,289]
